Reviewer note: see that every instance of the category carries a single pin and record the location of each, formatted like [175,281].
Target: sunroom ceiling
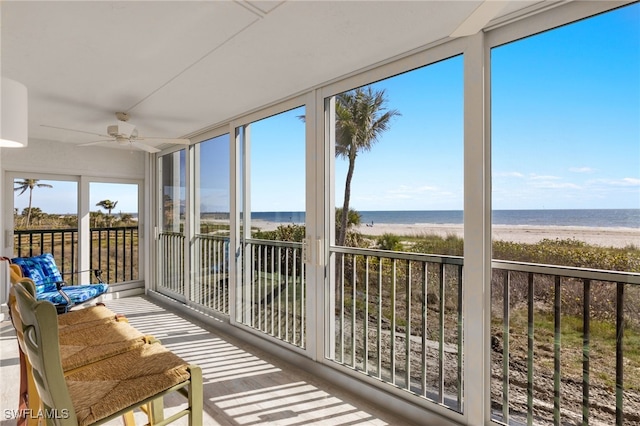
[180,67]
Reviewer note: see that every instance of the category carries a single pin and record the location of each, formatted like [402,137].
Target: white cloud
[581,170]
[534,176]
[619,182]
[556,185]
[508,174]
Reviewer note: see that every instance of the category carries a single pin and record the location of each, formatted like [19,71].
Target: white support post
[189,229]
[328,116]
[84,231]
[314,224]
[477,234]
[235,157]
[245,191]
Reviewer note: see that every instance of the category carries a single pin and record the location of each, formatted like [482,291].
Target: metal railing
[531,303]
[398,317]
[171,261]
[274,291]
[113,250]
[211,276]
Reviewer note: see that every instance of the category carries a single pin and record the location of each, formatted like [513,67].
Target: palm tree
[361,117]
[107,205]
[30,184]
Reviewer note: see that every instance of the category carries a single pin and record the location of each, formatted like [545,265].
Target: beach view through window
[46,221]
[566,191]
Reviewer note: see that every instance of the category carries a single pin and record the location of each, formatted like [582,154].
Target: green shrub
[389,242]
[569,252]
[293,232]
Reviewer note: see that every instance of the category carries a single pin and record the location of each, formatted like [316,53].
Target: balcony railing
[171,261]
[274,296]
[275,293]
[112,250]
[542,344]
[564,341]
[211,277]
[398,317]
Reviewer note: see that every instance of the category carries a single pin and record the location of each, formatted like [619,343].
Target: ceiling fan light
[14,123]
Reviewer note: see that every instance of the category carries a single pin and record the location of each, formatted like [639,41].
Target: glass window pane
[114,230]
[46,220]
[566,191]
[170,253]
[273,293]
[278,170]
[211,179]
[403,176]
[398,188]
[211,204]
[173,191]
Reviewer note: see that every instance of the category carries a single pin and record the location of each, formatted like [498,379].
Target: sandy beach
[606,237]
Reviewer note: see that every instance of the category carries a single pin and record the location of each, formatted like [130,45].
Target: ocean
[601,218]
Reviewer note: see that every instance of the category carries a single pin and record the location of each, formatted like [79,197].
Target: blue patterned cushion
[77,293]
[41,269]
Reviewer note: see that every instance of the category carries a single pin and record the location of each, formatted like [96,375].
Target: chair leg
[155,411]
[23,398]
[195,396]
[129,419]
[34,404]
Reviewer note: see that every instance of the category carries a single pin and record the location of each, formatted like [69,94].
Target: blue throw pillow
[41,269]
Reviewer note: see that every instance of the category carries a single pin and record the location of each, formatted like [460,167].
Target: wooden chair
[105,389]
[71,325]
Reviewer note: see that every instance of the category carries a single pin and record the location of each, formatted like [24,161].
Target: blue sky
[62,198]
[565,130]
[565,134]
[566,116]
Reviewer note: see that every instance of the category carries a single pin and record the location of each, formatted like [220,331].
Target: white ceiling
[179,67]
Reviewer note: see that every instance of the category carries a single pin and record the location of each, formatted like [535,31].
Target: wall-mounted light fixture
[14,122]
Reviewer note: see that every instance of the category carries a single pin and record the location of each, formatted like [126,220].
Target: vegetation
[361,117]
[30,184]
[41,220]
[107,205]
[291,232]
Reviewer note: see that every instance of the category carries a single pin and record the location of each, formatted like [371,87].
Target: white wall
[68,159]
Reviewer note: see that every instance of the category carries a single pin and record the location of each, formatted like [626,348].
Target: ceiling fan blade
[75,130]
[144,147]
[175,141]
[480,17]
[95,142]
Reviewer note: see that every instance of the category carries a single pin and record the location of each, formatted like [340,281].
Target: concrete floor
[243,385]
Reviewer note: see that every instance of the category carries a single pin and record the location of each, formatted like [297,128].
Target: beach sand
[606,237]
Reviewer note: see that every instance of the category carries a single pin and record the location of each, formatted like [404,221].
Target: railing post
[505,346]
[619,352]
[586,336]
[530,331]
[556,351]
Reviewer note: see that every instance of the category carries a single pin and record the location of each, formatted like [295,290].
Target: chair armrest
[96,272]
[64,295]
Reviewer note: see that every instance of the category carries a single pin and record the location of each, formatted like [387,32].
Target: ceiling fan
[126,134]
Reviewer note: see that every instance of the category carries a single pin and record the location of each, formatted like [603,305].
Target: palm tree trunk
[347,197]
[29,211]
